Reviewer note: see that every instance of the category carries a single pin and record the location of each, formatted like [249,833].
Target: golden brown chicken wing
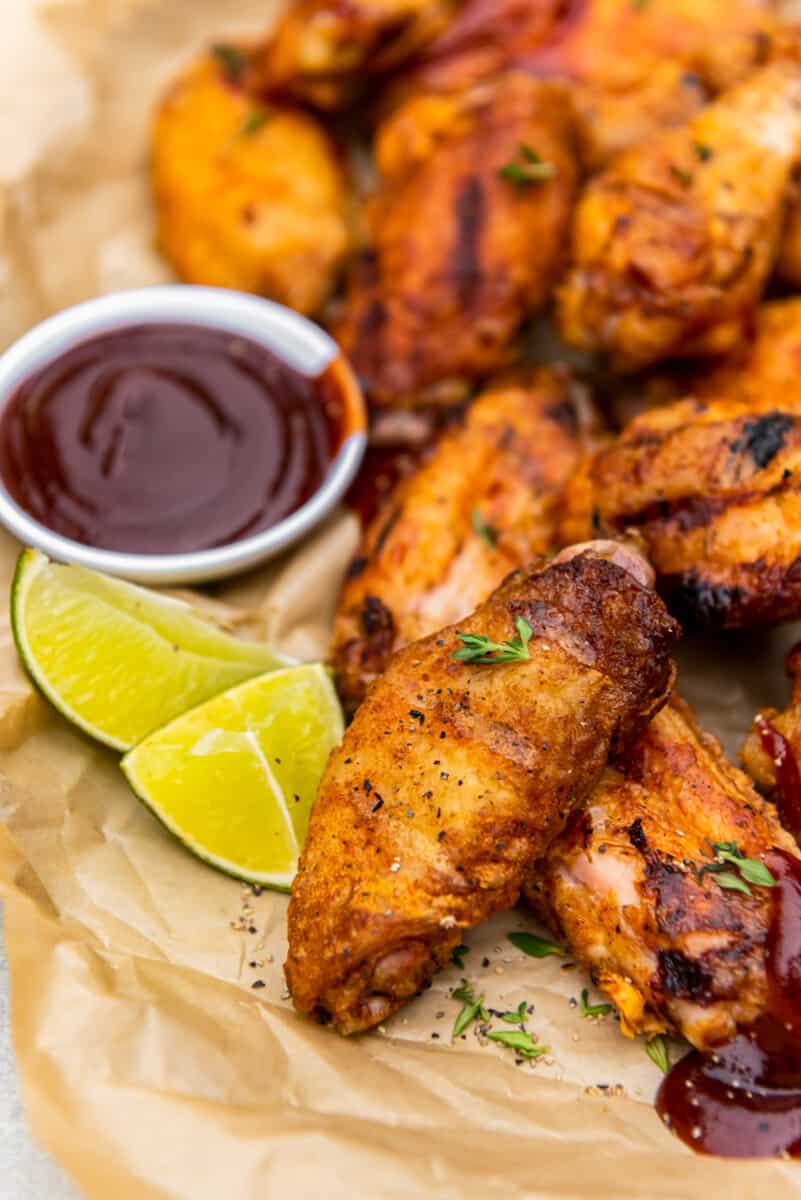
[674,241]
[633,67]
[467,238]
[248,196]
[771,752]
[454,776]
[486,502]
[325,52]
[628,886]
[714,487]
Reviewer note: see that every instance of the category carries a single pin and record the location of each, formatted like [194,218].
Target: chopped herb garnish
[703,153]
[472,1007]
[253,122]
[657,1051]
[458,956]
[747,870]
[232,61]
[519,1040]
[515,1018]
[685,178]
[527,168]
[476,648]
[593,1010]
[480,527]
[534,946]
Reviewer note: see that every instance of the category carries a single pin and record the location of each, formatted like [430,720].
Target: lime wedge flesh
[118,660]
[235,778]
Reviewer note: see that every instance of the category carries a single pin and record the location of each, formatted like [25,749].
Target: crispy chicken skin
[485,503]
[714,488]
[247,197]
[633,68]
[455,776]
[673,243]
[324,52]
[757,762]
[459,256]
[620,885]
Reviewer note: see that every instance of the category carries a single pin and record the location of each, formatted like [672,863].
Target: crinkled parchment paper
[151,1067]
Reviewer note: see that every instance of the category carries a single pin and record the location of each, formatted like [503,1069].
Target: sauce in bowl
[169,438]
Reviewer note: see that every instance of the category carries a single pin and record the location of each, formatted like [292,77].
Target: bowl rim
[303,344]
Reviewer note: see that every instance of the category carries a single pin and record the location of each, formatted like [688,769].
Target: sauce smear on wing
[165,439]
[745,1100]
[788,776]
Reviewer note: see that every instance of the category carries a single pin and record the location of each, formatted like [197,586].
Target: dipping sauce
[165,439]
[745,1100]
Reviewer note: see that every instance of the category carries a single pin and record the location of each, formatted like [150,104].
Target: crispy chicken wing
[467,238]
[621,885]
[248,197]
[714,487]
[325,52]
[485,503]
[454,777]
[633,67]
[674,241]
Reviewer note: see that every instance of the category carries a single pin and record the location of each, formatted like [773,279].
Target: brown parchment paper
[150,1066]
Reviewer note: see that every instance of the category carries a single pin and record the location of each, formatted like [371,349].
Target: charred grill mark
[682,977]
[356,567]
[465,259]
[637,835]
[386,530]
[564,414]
[763,437]
[697,601]
[376,617]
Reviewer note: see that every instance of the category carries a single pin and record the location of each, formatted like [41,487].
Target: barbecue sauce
[165,439]
[744,1101]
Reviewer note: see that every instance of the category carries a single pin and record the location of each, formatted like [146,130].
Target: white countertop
[26,1172]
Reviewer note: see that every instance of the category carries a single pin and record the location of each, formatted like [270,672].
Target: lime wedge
[235,778]
[117,660]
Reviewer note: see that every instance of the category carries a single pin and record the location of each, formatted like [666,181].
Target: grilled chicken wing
[621,885]
[247,197]
[454,777]
[714,487]
[485,503]
[674,241]
[324,52]
[461,254]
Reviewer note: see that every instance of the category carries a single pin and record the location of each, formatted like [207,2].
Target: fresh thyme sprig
[535,947]
[457,958]
[476,648]
[472,1007]
[657,1051]
[527,168]
[593,1010]
[747,870]
[519,1040]
[482,529]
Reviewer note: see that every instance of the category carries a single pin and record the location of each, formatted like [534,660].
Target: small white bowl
[297,340]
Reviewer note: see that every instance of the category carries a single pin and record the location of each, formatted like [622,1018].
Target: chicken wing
[325,52]
[455,775]
[633,68]
[485,503]
[468,235]
[673,243]
[623,886]
[758,752]
[248,197]
[714,487]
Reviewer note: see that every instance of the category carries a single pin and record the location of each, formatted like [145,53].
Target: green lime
[235,778]
[118,660]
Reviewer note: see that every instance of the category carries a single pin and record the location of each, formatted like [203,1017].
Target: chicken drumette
[456,775]
[247,196]
[467,237]
[486,502]
[713,484]
[673,243]
[628,886]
